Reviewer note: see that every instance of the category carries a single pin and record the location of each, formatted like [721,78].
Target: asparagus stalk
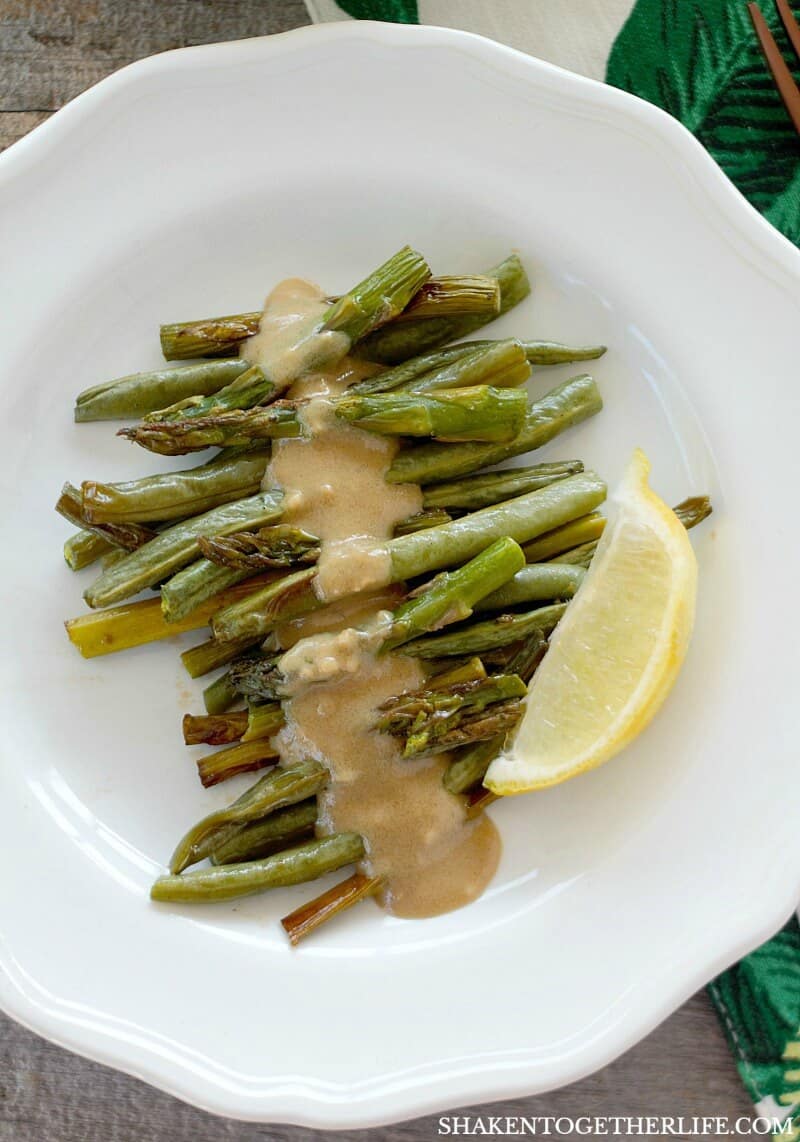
[586,529]
[222,336]
[294,866]
[306,919]
[690,512]
[580,556]
[209,655]
[449,598]
[281,830]
[257,614]
[401,340]
[535,583]
[129,536]
[174,495]
[214,729]
[257,676]
[84,547]
[470,764]
[452,596]
[693,511]
[177,546]
[278,546]
[135,624]
[433,720]
[476,638]
[377,299]
[250,388]
[479,413]
[279,788]
[220,695]
[454,296]
[139,393]
[480,491]
[208,336]
[263,721]
[564,406]
[471,670]
[176,437]
[246,757]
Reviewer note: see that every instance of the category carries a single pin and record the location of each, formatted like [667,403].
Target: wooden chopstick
[790,24]
[784,80]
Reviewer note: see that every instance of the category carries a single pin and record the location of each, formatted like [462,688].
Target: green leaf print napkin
[699,60]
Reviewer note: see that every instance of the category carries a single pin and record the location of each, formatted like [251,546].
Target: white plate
[186,185]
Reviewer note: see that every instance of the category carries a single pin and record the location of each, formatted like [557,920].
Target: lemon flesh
[616,653]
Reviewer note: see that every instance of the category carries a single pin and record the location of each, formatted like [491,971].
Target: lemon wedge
[616,653]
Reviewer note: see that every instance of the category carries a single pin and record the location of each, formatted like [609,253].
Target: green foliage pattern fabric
[700,60]
[758,1002]
[392,11]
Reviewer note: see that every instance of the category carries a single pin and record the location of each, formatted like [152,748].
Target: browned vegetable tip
[478,800]
[129,536]
[247,757]
[214,729]
[306,919]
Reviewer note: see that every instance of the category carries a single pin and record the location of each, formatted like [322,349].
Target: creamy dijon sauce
[335,480]
[288,344]
[415,832]
[416,836]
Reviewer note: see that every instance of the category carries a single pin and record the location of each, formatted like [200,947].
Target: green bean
[140,393]
[564,406]
[535,583]
[480,491]
[174,495]
[521,519]
[177,546]
[261,838]
[129,536]
[294,866]
[192,586]
[274,791]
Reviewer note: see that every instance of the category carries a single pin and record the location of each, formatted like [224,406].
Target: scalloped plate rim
[385,1101]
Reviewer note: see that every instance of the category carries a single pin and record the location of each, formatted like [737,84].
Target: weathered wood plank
[15,124]
[50,50]
[48,1095]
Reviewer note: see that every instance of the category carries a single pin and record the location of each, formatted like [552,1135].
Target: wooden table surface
[50,50]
